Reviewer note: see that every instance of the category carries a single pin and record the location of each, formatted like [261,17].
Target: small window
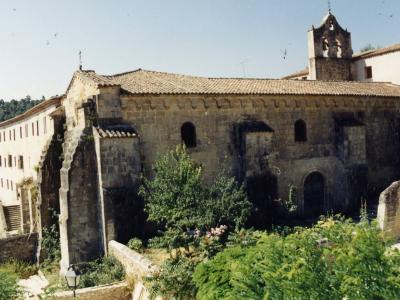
[188,134]
[368,72]
[20,162]
[300,131]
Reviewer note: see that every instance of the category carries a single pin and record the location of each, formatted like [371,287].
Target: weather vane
[80,60]
[329,6]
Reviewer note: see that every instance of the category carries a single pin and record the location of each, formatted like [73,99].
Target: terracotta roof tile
[141,82]
[115,131]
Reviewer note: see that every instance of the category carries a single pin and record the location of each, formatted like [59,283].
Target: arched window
[300,131]
[188,135]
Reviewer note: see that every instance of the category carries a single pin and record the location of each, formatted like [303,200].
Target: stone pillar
[389,209]
[3,224]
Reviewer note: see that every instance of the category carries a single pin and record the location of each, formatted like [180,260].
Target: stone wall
[135,264]
[20,247]
[117,291]
[332,69]
[389,209]
[158,120]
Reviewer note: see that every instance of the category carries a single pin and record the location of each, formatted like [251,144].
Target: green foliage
[336,259]
[13,108]
[8,286]
[195,216]
[101,271]
[51,241]
[174,281]
[21,269]
[243,238]
[178,199]
[136,244]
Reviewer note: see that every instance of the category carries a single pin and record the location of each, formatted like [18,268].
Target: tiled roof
[141,82]
[377,52]
[297,74]
[115,131]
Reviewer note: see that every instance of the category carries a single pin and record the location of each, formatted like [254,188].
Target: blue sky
[40,39]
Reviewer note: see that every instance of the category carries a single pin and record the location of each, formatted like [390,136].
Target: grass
[156,255]
[21,269]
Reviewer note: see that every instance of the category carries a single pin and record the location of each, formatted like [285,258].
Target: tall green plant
[336,259]
[178,199]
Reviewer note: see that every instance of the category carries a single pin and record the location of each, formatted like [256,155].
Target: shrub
[101,271]
[336,259]
[135,244]
[178,199]
[8,286]
[51,241]
[174,281]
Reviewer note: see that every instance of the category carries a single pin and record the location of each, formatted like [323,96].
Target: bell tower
[329,51]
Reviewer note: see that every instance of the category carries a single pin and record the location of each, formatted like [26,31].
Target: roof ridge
[125,73]
[109,77]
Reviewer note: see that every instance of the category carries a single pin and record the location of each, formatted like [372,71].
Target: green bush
[51,241]
[136,244]
[101,271]
[8,286]
[174,281]
[178,199]
[336,259]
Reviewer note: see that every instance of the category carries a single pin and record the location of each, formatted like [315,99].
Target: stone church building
[336,141]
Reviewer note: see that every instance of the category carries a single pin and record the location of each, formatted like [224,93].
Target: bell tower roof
[330,39]
[329,50]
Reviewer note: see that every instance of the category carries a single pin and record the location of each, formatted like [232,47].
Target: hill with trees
[10,109]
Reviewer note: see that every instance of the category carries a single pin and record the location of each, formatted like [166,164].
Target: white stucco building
[377,65]
[22,140]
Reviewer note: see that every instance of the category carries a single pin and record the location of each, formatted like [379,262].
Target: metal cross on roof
[80,60]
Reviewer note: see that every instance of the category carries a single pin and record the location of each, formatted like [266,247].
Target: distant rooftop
[377,52]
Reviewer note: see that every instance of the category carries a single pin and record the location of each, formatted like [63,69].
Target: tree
[178,199]
[369,47]
[13,108]
[336,259]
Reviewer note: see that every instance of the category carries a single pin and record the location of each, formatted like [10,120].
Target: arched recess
[188,135]
[300,131]
[314,195]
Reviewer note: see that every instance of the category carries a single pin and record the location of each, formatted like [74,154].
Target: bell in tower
[329,51]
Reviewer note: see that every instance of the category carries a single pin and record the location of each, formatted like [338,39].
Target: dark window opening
[188,134]
[314,195]
[368,72]
[300,131]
